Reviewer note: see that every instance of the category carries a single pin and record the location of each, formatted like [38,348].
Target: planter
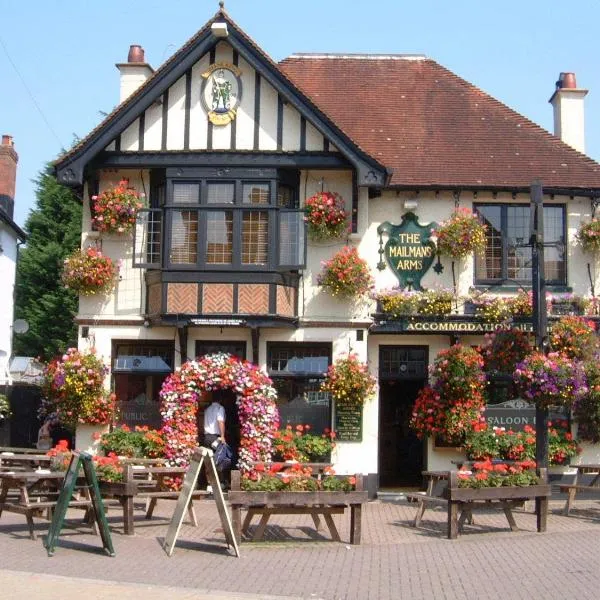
[87,437]
[283,498]
[509,492]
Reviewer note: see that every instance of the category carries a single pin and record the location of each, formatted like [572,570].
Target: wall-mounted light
[411,204]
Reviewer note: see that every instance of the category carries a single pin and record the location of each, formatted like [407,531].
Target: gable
[264,119]
[278,118]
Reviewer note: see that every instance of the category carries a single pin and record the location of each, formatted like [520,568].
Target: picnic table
[578,486]
[13,461]
[317,504]
[461,502]
[149,483]
[35,493]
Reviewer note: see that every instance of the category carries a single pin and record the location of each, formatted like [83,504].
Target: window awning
[140,364]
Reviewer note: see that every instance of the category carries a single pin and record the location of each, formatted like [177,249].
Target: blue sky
[65,52]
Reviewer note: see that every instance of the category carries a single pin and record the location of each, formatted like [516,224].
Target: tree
[54,229]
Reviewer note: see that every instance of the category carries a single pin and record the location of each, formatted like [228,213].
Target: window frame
[240,178]
[505,280]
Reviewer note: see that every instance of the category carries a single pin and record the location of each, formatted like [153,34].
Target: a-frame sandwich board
[78,460]
[201,457]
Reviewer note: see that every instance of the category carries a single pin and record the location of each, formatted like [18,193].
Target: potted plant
[552,380]
[569,304]
[73,393]
[115,209]
[503,350]
[89,272]
[326,216]
[141,442]
[346,274]
[461,235]
[588,236]
[296,443]
[348,381]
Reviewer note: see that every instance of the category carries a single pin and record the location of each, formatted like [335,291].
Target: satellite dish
[20,326]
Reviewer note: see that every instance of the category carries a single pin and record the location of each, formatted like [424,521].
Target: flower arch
[255,399]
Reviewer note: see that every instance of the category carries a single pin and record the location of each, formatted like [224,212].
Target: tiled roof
[434,128]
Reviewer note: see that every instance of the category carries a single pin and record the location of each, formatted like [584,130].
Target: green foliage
[54,228]
[587,408]
[139,443]
[267,483]
[337,484]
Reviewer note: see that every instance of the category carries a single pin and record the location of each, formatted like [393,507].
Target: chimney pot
[568,81]
[7,140]
[136,54]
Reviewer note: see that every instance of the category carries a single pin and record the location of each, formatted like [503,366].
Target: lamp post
[540,319]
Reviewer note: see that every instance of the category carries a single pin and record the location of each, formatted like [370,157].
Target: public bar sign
[409,250]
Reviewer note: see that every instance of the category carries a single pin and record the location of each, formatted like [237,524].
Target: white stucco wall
[8,261]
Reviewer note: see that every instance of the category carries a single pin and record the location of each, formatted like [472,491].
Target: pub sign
[409,251]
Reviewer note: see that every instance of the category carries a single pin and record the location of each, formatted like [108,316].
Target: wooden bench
[316,504]
[146,483]
[424,501]
[35,494]
[572,489]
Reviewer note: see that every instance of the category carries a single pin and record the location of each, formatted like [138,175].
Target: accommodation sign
[409,251]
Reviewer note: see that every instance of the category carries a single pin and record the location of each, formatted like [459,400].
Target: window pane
[554,255]
[519,257]
[298,359]
[220,193]
[147,237]
[285,196]
[184,237]
[291,238]
[490,265]
[186,193]
[219,237]
[255,237]
[255,193]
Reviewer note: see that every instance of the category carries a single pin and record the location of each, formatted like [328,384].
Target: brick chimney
[134,72]
[8,175]
[567,102]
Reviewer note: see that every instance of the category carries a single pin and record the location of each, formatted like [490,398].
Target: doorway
[402,373]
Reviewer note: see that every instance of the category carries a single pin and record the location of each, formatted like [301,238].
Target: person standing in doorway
[214,423]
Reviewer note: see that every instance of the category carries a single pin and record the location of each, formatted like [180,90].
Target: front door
[400,451]
[402,373]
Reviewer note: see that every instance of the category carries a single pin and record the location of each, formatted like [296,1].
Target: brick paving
[394,560]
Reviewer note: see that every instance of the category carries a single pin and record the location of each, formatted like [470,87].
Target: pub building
[226,145]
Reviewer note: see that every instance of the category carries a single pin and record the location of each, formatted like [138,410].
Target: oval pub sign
[409,250]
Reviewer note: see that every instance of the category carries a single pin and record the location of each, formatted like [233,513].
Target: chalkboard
[66,494]
[348,422]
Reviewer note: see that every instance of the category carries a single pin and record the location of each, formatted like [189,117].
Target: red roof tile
[434,128]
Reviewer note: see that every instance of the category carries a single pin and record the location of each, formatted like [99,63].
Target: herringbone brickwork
[286,301]
[217,298]
[182,298]
[253,298]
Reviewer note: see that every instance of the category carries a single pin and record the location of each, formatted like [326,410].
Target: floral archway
[255,399]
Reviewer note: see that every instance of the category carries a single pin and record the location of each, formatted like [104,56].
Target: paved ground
[394,560]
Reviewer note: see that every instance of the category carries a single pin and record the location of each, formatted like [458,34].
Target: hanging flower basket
[454,401]
[73,390]
[348,381]
[588,236]
[326,216]
[552,380]
[89,272]
[461,235]
[346,274]
[115,209]
[575,337]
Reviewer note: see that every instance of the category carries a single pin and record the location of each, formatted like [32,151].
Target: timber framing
[71,167]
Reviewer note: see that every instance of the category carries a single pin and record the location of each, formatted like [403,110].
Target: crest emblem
[221,92]
[409,251]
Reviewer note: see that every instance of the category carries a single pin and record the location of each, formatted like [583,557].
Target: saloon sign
[409,250]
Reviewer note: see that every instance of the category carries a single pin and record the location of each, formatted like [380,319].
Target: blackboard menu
[348,422]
